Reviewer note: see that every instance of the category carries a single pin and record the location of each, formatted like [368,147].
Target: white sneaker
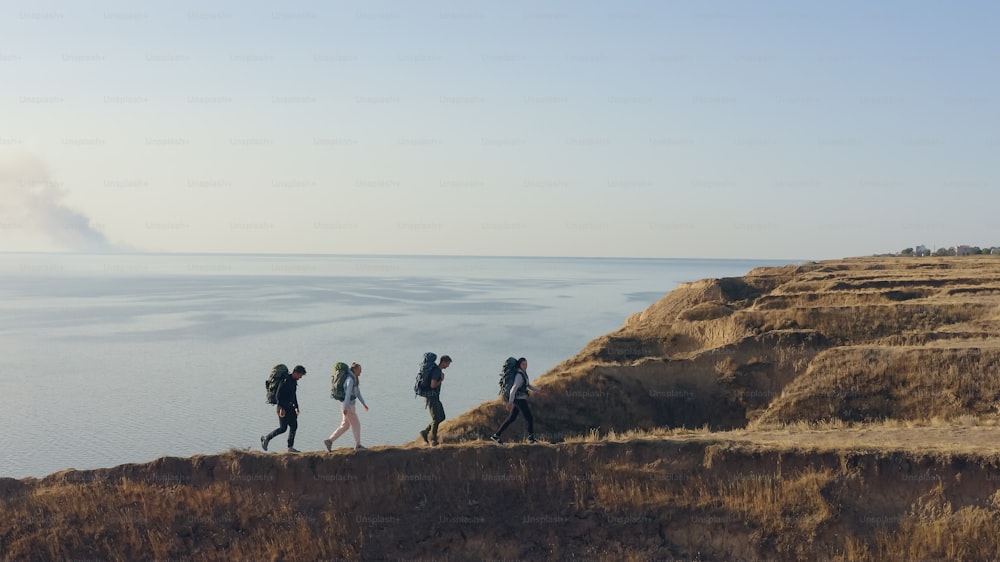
[293,450]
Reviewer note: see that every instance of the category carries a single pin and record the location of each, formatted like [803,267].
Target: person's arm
[436,377]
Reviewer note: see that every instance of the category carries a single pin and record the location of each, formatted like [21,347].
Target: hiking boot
[434,442]
[293,450]
[531,438]
[496,438]
[423,435]
[329,445]
[359,446]
[263,442]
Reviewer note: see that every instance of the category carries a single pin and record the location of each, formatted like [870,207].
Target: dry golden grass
[634,496]
[933,528]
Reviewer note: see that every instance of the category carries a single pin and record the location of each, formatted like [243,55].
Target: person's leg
[292,421]
[265,439]
[510,419]
[282,427]
[437,416]
[344,424]
[528,417]
[425,433]
[355,425]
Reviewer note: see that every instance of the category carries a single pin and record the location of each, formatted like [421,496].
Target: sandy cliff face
[857,339]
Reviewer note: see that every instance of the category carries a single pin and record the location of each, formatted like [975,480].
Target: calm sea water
[111,359]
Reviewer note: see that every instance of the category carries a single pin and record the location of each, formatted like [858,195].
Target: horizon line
[387,255]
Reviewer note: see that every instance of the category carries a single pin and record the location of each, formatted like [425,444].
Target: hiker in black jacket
[288,409]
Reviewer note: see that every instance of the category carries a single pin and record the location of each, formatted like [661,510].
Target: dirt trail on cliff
[976,439]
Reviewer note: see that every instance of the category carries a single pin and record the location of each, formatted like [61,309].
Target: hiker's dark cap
[299,369]
[445,359]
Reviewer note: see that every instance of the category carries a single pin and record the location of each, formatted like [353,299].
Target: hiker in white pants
[352,393]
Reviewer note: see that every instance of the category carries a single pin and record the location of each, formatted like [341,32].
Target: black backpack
[278,374]
[507,373]
[422,387]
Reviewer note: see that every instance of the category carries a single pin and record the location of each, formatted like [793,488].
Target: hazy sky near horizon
[636,129]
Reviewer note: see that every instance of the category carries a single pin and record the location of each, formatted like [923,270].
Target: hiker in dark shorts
[434,402]
[288,409]
[517,402]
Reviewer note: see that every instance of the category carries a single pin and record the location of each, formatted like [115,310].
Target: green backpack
[340,373]
[278,374]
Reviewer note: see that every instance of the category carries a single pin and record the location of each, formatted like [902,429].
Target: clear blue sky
[646,129]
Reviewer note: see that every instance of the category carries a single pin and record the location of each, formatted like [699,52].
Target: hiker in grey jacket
[517,402]
[352,394]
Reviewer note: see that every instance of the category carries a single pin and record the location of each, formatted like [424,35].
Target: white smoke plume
[30,199]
